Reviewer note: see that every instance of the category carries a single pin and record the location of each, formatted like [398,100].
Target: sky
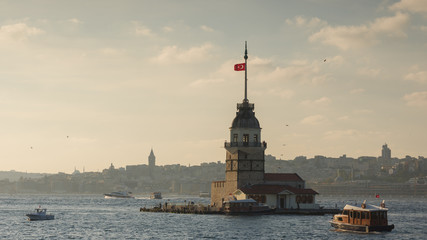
[84,84]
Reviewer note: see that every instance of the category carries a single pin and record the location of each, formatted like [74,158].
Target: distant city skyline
[87,84]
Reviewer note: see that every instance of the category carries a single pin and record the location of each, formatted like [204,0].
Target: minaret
[244,151]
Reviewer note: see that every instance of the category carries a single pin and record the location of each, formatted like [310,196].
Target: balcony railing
[245,144]
[245,105]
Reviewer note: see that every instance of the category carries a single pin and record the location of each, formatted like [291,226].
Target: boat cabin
[41,211]
[368,215]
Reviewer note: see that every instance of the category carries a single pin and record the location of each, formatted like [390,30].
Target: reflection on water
[92,216]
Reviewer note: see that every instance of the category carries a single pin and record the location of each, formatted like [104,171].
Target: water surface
[93,217]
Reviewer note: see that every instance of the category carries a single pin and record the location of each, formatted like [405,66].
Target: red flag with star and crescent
[239,67]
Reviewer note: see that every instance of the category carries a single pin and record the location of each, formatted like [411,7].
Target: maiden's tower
[244,174]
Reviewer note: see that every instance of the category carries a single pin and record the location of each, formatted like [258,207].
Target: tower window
[256,138]
[235,137]
[245,139]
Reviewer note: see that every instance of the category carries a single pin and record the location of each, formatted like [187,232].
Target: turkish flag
[239,67]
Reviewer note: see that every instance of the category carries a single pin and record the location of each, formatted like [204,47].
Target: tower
[386,152]
[245,151]
[151,159]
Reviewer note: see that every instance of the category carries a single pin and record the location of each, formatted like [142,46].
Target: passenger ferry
[367,218]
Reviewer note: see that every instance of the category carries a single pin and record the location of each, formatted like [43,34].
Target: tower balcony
[245,144]
[245,105]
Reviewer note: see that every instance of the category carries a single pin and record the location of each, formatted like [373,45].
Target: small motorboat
[39,214]
[118,195]
[367,218]
[245,207]
[156,195]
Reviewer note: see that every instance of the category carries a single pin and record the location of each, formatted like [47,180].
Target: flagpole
[246,72]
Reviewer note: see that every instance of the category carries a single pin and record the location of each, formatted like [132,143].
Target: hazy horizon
[90,83]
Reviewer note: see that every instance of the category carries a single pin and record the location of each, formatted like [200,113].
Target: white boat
[39,214]
[156,195]
[118,195]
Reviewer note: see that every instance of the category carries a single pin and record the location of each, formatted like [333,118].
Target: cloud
[347,37]
[416,6]
[416,99]
[74,21]
[336,60]
[206,28]
[142,30]
[323,101]
[419,76]
[314,120]
[18,32]
[175,54]
[167,29]
[301,71]
[301,21]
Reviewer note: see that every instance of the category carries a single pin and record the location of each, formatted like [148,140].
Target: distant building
[151,159]
[386,153]
[245,164]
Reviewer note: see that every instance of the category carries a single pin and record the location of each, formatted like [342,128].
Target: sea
[94,217]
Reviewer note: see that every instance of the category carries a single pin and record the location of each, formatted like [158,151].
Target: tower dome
[245,117]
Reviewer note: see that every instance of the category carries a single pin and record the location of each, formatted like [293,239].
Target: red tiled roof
[276,177]
[263,189]
[275,189]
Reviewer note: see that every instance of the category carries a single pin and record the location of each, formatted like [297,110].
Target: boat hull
[361,228]
[115,196]
[35,217]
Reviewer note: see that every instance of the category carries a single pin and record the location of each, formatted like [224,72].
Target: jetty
[192,208]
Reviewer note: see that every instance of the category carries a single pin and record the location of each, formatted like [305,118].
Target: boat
[366,218]
[156,195]
[118,195]
[39,214]
[245,207]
